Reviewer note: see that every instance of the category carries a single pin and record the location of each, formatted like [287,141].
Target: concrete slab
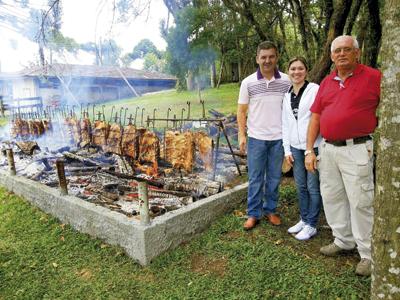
[141,242]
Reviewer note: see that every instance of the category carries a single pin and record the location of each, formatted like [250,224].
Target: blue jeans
[307,184]
[264,159]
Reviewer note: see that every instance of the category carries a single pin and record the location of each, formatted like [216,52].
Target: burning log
[204,145]
[198,186]
[153,182]
[27,147]
[114,139]
[86,161]
[124,165]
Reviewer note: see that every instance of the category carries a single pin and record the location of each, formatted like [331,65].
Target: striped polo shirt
[264,97]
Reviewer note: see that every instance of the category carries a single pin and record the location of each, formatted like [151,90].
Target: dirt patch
[85,274]
[205,265]
[146,277]
[287,180]
[232,235]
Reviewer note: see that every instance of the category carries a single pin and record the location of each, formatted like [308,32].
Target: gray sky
[84,21]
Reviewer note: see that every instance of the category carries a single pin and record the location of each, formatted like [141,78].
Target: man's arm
[312,134]
[241,119]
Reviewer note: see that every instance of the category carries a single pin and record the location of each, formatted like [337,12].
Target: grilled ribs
[130,141]
[204,144]
[114,139]
[99,133]
[180,150]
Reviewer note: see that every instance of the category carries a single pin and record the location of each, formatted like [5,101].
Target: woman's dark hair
[298,58]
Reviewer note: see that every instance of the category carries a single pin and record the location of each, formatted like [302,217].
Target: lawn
[223,99]
[40,258]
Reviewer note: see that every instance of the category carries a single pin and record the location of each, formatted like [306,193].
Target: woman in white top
[295,118]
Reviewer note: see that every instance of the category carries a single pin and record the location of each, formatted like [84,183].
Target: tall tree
[107,52]
[386,232]
[144,47]
[373,37]
[336,27]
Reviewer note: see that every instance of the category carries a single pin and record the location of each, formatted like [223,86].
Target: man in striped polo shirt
[260,106]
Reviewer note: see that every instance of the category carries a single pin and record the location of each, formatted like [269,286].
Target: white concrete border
[142,243]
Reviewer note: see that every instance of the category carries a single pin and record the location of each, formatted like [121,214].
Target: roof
[88,71]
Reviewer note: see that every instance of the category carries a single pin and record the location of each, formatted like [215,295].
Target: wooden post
[2,109]
[11,163]
[61,177]
[144,203]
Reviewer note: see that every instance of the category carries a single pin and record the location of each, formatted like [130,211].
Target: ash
[111,180]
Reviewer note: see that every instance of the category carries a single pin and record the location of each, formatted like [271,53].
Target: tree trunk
[41,55]
[335,29]
[355,8]
[190,81]
[246,11]
[305,37]
[373,38]
[386,231]
[220,71]
[213,74]
[362,26]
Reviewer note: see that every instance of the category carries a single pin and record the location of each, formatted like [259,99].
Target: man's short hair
[266,45]
[355,42]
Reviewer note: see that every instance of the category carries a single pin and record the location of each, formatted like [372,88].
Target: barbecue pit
[125,173]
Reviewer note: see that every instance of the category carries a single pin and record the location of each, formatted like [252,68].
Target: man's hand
[311,162]
[289,159]
[241,119]
[242,143]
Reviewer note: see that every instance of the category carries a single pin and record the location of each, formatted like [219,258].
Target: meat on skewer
[99,133]
[114,139]
[204,144]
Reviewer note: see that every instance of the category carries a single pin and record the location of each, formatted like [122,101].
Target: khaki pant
[347,188]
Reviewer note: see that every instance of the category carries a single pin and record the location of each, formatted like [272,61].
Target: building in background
[60,84]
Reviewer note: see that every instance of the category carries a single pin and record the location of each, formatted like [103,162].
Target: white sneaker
[306,233]
[297,228]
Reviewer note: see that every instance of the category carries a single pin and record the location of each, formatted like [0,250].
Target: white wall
[25,88]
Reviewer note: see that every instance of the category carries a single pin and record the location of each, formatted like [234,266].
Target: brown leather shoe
[250,223]
[273,219]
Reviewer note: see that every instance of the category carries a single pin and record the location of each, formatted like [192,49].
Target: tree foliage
[144,47]
[231,30]
[107,52]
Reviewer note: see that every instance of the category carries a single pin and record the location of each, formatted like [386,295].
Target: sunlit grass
[41,258]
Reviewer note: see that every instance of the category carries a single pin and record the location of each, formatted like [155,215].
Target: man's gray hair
[340,37]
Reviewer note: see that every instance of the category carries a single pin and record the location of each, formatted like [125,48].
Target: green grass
[223,99]
[43,259]
[3,121]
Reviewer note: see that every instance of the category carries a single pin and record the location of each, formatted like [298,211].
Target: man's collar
[260,76]
[356,71]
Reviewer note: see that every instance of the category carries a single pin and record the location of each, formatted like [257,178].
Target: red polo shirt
[347,109]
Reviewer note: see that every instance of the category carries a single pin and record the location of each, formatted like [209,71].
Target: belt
[349,142]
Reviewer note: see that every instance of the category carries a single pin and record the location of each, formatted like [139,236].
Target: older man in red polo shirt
[344,112]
